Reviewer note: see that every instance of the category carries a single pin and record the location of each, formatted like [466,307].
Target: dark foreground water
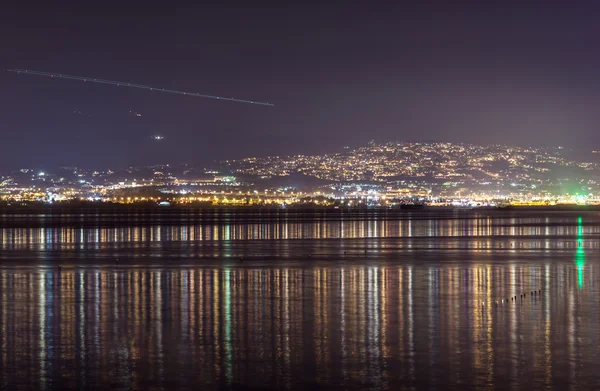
[375,301]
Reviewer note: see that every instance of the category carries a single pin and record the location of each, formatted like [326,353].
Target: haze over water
[378,300]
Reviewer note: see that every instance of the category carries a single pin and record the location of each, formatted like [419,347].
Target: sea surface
[247,299]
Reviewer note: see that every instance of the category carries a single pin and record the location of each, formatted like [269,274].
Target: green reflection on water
[579,254]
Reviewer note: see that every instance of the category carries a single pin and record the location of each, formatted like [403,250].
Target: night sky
[340,73]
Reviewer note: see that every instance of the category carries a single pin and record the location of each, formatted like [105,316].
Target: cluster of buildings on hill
[376,174]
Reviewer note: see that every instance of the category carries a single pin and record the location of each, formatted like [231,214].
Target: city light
[376,175]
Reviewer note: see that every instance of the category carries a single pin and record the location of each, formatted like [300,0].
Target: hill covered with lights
[447,167]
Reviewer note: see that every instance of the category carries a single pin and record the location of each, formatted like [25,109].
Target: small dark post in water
[117,261]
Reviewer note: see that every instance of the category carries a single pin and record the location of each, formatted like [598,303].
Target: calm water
[317,300]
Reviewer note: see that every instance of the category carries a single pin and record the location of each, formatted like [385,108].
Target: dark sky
[339,73]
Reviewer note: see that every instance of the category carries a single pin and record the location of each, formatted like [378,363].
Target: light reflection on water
[377,326]
[472,231]
[377,310]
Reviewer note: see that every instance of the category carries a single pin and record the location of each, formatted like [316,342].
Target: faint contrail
[125,84]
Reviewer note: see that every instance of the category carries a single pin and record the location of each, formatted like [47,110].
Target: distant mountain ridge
[467,164]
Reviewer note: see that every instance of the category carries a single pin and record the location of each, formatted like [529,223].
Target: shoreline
[107,208]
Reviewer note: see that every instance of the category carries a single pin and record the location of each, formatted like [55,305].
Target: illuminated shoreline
[173,206]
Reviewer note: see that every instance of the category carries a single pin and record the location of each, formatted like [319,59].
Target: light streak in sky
[133,85]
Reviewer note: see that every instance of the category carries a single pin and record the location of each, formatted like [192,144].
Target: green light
[580,254]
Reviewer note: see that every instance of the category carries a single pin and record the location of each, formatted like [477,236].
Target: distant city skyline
[376,173]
